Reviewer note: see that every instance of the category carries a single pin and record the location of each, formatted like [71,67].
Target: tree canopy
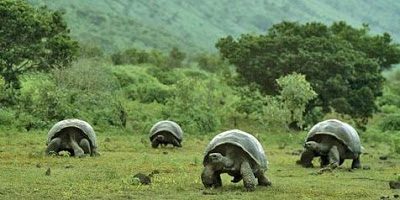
[32,39]
[342,63]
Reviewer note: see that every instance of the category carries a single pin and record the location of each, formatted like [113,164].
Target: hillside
[195,25]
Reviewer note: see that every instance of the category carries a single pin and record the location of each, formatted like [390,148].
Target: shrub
[191,107]
[153,92]
[87,90]
[390,123]
[130,56]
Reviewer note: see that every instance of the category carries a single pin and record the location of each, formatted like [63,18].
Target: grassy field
[23,171]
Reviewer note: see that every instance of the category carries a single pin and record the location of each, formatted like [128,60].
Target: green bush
[153,92]
[390,123]
[130,56]
[7,116]
[192,107]
[210,63]
[87,90]
[168,77]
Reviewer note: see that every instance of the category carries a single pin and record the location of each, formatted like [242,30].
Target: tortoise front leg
[356,163]
[249,180]
[53,146]
[262,179]
[334,157]
[210,178]
[95,152]
[306,158]
[78,151]
[155,142]
[324,161]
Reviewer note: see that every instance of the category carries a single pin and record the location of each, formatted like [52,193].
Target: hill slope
[196,24]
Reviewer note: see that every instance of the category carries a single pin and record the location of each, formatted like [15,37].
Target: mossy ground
[23,171]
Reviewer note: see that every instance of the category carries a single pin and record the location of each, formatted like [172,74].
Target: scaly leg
[208,177]
[53,146]
[306,158]
[262,179]
[334,157]
[249,180]
[85,145]
[356,163]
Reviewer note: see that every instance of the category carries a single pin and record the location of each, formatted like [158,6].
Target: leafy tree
[32,39]
[343,64]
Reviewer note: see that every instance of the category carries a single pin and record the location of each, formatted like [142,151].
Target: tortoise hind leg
[176,143]
[306,158]
[356,163]
[249,180]
[262,179]
[53,146]
[78,151]
[85,145]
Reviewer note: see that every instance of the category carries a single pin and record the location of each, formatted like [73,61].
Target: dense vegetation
[315,72]
[342,64]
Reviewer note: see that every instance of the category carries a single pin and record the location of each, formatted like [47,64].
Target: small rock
[366,167]
[107,139]
[48,171]
[384,157]
[394,184]
[69,166]
[165,153]
[145,180]
[396,196]
[38,165]
[155,171]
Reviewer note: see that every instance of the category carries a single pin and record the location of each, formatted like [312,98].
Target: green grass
[23,167]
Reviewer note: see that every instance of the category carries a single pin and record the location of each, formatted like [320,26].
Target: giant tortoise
[72,135]
[237,153]
[333,141]
[166,132]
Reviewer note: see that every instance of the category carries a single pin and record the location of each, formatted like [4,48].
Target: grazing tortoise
[166,132]
[334,141]
[72,135]
[237,153]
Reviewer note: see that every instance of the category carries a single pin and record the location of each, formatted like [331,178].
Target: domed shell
[342,131]
[168,126]
[80,124]
[244,140]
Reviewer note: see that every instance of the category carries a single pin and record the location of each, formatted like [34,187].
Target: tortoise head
[316,147]
[160,138]
[312,145]
[220,161]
